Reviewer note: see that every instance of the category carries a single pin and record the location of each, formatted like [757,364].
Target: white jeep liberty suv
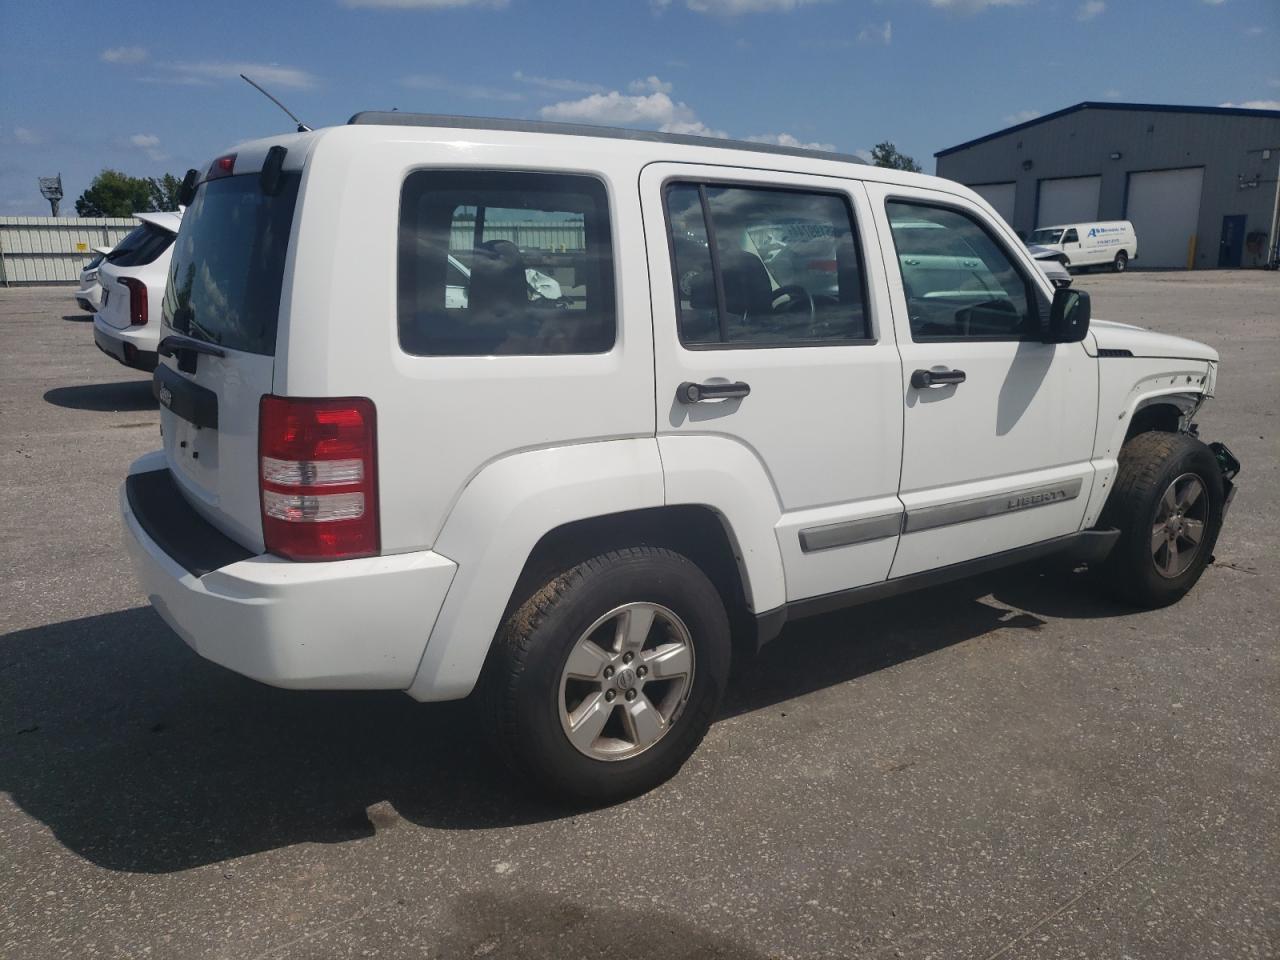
[771,383]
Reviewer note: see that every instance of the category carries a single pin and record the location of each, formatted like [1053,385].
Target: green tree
[164,192]
[887,155]
[115,194]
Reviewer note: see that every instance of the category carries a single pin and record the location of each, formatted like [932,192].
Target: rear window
[504,263]
[228,263]
[140,246]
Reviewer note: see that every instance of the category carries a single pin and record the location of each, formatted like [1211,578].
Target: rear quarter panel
[441,420]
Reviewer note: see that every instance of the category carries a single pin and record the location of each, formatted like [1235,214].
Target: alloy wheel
[1177,534]
[625,681]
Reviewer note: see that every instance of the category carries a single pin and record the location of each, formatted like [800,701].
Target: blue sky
[151,87]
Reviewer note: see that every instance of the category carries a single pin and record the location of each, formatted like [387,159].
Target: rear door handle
[923,379]
[689,392]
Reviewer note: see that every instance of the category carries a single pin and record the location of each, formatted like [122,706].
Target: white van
[770,383]
[1111,242]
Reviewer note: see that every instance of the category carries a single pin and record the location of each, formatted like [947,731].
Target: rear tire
[1121,262]
[587,634]
[1167,504]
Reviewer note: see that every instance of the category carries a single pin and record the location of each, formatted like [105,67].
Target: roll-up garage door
[1164,208]
[1068,200]
[999,195]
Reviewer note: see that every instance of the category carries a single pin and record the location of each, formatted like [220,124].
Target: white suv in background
[132,276]
[776,383]
[89,294]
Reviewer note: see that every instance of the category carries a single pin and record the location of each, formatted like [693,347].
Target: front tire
[1167,504]
[1121,262]
[606,679]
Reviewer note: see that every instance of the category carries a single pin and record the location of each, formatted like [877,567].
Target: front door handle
[924,379]
[689,392]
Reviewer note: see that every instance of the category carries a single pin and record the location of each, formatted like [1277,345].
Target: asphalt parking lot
[1009,767]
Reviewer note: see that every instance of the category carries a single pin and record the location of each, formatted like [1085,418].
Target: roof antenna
[302,127]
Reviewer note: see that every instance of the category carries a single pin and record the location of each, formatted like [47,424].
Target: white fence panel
[54,249]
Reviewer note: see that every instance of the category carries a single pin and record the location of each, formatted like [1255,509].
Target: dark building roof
[1097,105]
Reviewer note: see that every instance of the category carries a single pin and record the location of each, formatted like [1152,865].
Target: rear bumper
[349,624]
[133,350]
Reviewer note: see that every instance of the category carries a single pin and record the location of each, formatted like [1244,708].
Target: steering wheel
[795,293]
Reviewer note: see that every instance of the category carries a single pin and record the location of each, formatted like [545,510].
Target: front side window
[495,263]
[1046,236]
[959,282]
[776,267]
[1071,236]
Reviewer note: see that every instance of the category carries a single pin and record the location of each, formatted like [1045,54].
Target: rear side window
[140,246]
[758,267]
[228,263]
[494,263]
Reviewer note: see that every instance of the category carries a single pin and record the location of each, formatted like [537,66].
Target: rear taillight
[317,474]
[137,301]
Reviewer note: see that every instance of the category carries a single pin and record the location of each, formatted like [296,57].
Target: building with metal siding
[1201,184]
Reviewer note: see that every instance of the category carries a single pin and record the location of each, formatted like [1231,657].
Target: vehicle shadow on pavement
[128,395]
[142,757]
[838,647]
[79,318]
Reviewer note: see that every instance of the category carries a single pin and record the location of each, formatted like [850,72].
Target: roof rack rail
[395,118]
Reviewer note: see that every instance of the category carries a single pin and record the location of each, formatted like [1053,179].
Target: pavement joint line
[1066,906]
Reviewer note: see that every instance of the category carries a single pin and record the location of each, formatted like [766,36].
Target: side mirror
[1069,316]
[187,192]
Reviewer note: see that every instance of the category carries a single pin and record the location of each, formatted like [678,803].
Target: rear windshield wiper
[176,342]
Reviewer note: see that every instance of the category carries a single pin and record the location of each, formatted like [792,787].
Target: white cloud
[787,140]
[149,144]
[472,91]
[124,55]
[423,4]
[1255,104]
[27,137]
[1215,3]
[654,110]
[864,155]
[650,110]
[873,33]
[1112,94]
[649,84]
[1255,31]
[211,71]
[733,8]
[1090,9]
[1022,116]
[974,6]
[557,84]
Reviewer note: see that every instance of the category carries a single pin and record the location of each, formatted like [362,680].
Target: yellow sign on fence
[82,248]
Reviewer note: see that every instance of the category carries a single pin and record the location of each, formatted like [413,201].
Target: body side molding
[1087,545]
